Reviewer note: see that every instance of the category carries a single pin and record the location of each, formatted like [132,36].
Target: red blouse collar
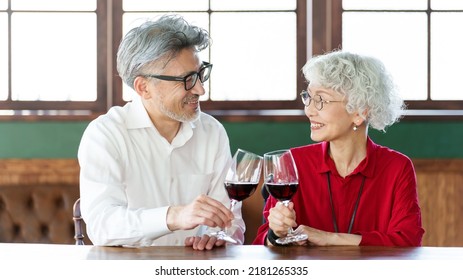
[366,167]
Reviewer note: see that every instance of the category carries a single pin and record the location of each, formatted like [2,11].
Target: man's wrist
[171,216]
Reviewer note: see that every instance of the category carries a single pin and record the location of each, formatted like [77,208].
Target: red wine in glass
[282,192]
[240,182]
[281,181]
[239,190]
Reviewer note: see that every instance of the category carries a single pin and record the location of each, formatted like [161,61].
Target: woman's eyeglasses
[318,100]
[189,81]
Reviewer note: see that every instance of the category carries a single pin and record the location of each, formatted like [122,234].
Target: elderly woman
[351,190]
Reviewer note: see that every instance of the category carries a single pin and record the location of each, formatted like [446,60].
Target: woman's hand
[281,218]
[318,237]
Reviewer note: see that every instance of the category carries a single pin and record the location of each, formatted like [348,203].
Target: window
[49,56]
[256,51]
[3,52]
[58,57]
[413,39]
[64,62]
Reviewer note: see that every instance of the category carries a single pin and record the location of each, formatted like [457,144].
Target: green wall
[417,139]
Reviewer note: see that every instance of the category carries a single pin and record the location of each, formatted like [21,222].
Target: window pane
[163,5]
[385,4]
[3,56]
[54,61]
[131,20]
[447,4]
[398,39]
[54,5]
[446,60]
[3,4]
[253,5]
[253,61]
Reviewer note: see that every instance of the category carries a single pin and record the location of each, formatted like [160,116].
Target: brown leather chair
[37,213]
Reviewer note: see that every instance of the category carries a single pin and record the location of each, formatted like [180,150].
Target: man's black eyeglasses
[189,81]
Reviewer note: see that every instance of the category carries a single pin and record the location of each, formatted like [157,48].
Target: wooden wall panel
[38,171]
[440,191]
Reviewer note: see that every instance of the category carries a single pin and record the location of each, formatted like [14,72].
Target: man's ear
[140,85]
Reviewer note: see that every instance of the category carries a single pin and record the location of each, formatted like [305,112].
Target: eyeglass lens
[307,99]
[203,75]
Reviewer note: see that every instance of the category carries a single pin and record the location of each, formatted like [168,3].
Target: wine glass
[240,182]
[281,181]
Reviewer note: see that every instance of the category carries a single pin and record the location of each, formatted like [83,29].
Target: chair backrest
[37,213]
[78,221]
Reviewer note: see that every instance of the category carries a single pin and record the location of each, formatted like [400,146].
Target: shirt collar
[366,167]
[137,116]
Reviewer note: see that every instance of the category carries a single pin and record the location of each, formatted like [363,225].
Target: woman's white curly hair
[364,82]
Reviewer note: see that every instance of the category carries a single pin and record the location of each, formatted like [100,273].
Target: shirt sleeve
[104,208]
[405,224]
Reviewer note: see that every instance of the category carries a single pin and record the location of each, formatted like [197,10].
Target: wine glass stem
[232,208]
[232,204]
[290,229]
[285,203]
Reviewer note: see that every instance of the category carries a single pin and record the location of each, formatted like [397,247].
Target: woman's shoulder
[308,152]
[389,155]
[315,147]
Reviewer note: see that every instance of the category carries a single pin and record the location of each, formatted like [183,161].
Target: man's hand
[205,242]
[203,210]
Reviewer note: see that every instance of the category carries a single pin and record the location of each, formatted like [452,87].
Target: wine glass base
[221,235]
[291,239]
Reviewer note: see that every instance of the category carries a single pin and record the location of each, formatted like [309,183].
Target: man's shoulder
[114,119]
[208,122]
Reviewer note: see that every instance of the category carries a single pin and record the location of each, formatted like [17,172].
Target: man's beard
[182,117]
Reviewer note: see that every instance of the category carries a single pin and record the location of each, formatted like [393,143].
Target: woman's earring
[356,125]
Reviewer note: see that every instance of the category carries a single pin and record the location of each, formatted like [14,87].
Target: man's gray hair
[159,40]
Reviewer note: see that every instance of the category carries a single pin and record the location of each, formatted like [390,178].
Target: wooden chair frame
[78,220]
